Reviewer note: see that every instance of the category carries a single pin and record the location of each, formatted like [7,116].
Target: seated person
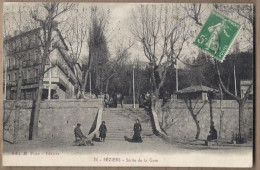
[213,134]
[78,133]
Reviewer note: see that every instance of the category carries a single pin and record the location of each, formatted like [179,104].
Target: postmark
[217,35]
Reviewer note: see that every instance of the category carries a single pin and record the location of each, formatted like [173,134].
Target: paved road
[154,144]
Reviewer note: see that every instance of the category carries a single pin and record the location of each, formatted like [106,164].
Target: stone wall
[185,127]
[57,118]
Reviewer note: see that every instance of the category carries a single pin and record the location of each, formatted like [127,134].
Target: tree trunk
[242,129]
[197,126]
[36,113]
[211,112]
[17,105]
[33,131]
[85,81]
[156,93]
[107,83]
[87,70]
[221,124]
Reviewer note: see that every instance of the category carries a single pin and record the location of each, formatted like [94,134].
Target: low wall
[183,126]
[57,118]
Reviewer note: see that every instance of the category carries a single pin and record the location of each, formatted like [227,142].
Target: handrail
[98,122]
[155,119]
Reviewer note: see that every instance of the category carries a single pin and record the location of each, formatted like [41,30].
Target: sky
[118,29]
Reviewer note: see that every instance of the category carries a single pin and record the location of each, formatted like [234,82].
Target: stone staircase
[120,122]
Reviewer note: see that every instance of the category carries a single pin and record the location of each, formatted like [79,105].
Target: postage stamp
[217,35]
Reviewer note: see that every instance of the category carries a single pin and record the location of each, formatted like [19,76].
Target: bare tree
[76,31]
[46,14]
[245,14]
[114,66]
[162,37]
[17,18]
[194,113]
[193,11]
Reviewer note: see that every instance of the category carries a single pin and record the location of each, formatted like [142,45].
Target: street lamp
[134,85]
[49,90]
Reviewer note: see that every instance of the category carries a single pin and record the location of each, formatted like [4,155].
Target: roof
[199,88]
[9,38]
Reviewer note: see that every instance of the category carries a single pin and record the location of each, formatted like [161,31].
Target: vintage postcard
[128,84]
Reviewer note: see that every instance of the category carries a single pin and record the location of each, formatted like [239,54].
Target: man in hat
[78,133]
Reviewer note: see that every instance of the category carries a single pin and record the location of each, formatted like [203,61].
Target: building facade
[24,50]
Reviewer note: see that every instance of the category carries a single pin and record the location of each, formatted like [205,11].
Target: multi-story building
[24,49]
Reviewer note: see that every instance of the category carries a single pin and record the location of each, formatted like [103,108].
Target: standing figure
[137,131]
[106,100]
[141,100]
[114,100]
[166,97]
[121,100]
[102,131]
[147,101]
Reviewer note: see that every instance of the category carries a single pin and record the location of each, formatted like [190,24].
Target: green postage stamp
[216,35]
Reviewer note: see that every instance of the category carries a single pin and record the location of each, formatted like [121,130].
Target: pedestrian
[166,97]
[106,100]
[137,132]
[141,100]
[121,100]
[114,100]
[147,101]
[102,131]
[96,92]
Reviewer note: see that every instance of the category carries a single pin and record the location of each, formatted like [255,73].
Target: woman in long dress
[102,131]
[137,130]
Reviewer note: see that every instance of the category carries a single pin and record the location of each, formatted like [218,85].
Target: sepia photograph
[128,84]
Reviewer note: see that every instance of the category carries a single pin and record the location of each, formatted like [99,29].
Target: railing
[97,122]
[31,80]
[13,67]
[30,63]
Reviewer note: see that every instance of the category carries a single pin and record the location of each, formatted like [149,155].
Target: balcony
[30,63]
[13,67]
[31,80]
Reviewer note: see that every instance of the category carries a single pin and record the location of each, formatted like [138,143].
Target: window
[15,76]
[14,64]
[9,77]
[36,72]
[28,74]
[9,62]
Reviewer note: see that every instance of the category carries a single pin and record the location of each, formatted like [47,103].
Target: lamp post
[90,92]
[49,91]
[235,80]
[5,82]
[134,86]
[177,81]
